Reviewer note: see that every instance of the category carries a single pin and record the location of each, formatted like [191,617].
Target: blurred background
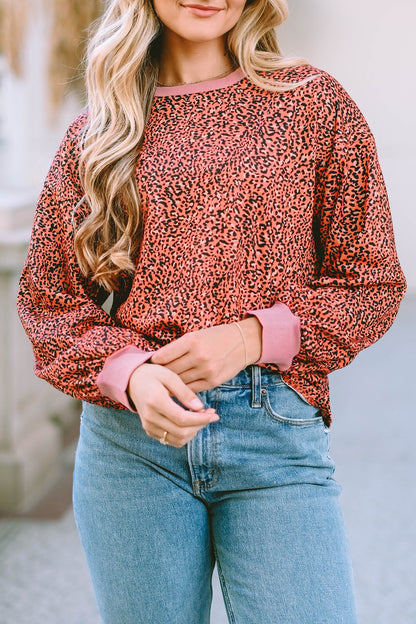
[371,49]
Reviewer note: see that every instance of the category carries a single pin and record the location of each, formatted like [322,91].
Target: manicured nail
[196,404]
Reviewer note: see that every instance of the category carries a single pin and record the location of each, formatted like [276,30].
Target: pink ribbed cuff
[280,344]
[114,378]
[280,335]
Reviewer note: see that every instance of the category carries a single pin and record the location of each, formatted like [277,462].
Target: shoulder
[310,82]
[65,164]
[327,102]
[71,143]
[63,176]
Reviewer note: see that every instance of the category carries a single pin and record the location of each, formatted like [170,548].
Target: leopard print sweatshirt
[250,199]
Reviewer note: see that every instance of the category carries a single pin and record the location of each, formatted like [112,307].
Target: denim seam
[300,395]
[293,422]
[191,468]
[202,483]
[248,386]
[214,440]
[225,594]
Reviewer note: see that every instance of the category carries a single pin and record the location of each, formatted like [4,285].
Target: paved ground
[44,580]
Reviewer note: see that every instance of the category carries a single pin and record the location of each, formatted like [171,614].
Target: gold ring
[162,440]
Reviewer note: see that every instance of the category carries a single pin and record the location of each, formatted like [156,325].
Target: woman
[232,202]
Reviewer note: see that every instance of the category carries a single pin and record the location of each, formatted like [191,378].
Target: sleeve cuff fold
[114,378]
[280,344]
[280,335]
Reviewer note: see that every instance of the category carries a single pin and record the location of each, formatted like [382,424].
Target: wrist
[132,379]
[252,330]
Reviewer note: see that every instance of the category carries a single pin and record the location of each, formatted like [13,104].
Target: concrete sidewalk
[44,579]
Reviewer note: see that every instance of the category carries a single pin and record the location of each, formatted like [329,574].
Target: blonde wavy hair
[122,72]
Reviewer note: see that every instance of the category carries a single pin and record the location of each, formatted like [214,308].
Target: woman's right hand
[151,388]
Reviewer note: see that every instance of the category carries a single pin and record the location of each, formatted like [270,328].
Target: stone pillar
[33,415]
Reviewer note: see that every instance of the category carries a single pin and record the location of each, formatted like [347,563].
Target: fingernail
[214,418]
[196,404]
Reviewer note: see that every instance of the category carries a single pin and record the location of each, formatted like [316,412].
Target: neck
[186,62]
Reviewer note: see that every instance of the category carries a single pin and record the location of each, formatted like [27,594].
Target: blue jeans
[253,492]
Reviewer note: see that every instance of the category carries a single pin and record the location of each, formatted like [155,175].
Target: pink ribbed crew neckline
[200,87]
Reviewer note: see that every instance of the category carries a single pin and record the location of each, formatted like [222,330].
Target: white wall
[370,47]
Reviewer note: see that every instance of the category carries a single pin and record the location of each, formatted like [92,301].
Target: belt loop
[255,386]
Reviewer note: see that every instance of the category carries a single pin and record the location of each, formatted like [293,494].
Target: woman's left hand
[206,358]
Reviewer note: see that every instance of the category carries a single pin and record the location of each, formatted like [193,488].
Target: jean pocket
[283,404]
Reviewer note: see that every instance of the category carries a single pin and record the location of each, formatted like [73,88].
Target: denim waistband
[254,373]
[254,377]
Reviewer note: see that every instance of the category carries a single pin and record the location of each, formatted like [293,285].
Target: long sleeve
[353,296]
[280,344]
[60,309]
[291,223]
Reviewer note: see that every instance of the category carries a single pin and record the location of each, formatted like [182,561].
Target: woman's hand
[151,389]
[208,357]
